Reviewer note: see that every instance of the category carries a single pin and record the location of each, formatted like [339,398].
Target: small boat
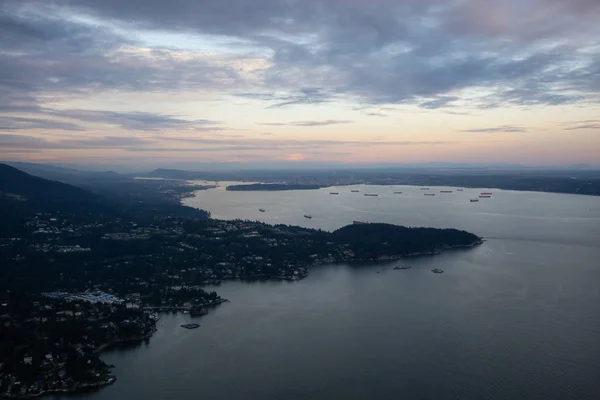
[474,200]
[333,193]
[371,195]
[354,191]
[261,210]
[402,267]
[307,216]
[429,194]
[437,271]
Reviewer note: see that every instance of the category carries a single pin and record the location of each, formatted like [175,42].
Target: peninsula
[80,272]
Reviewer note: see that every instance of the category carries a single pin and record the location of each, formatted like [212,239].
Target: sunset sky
[351,81]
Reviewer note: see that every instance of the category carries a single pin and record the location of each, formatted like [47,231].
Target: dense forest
[369,241]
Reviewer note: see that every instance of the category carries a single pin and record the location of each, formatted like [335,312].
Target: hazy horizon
[300,83]
[301,166]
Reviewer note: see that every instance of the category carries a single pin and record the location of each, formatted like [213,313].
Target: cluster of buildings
[92,297]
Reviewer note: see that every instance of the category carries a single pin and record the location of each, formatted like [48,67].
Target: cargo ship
[459,190]
[474,200]
[429,194]
[307,216]
[359,222]
[397,192]
[484,197]
[445,191]
[424,188]
[261,209]
[486,193]
[371,195]
[333,193]
[354,191]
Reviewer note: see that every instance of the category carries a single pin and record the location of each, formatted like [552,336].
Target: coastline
[82,387]
[78,389]
[428,253]
[105,346]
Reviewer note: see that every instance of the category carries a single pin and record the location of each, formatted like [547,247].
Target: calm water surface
[516,318]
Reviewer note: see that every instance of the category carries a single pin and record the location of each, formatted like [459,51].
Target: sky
[156,82]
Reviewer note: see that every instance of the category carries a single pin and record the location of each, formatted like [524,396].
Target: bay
[515,318]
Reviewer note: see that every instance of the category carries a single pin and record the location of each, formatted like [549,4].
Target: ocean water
[515,318]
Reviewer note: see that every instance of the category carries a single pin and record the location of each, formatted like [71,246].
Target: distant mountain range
[64,174]
[23,186]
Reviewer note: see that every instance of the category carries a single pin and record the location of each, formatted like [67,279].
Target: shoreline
[410,255]
[476,188]
[105,346]
[112,378]
[79,389]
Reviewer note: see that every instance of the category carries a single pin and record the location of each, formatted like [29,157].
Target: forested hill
[369,241]
[14,182]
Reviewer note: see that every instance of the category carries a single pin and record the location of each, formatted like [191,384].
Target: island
[270,187]
[81,272]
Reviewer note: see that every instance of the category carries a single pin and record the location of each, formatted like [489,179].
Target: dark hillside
[14,182]
[376,240]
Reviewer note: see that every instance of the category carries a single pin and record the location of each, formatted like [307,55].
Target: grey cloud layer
[130,143]
[309,123]
[503,128]
[371,52]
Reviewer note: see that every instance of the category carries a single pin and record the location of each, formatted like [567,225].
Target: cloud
[428,53]
[11,123]
[312,96]
[107,142]
[503,128]
[440,102]
[309,123]
[142,121]
[585,126]
[580,125]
